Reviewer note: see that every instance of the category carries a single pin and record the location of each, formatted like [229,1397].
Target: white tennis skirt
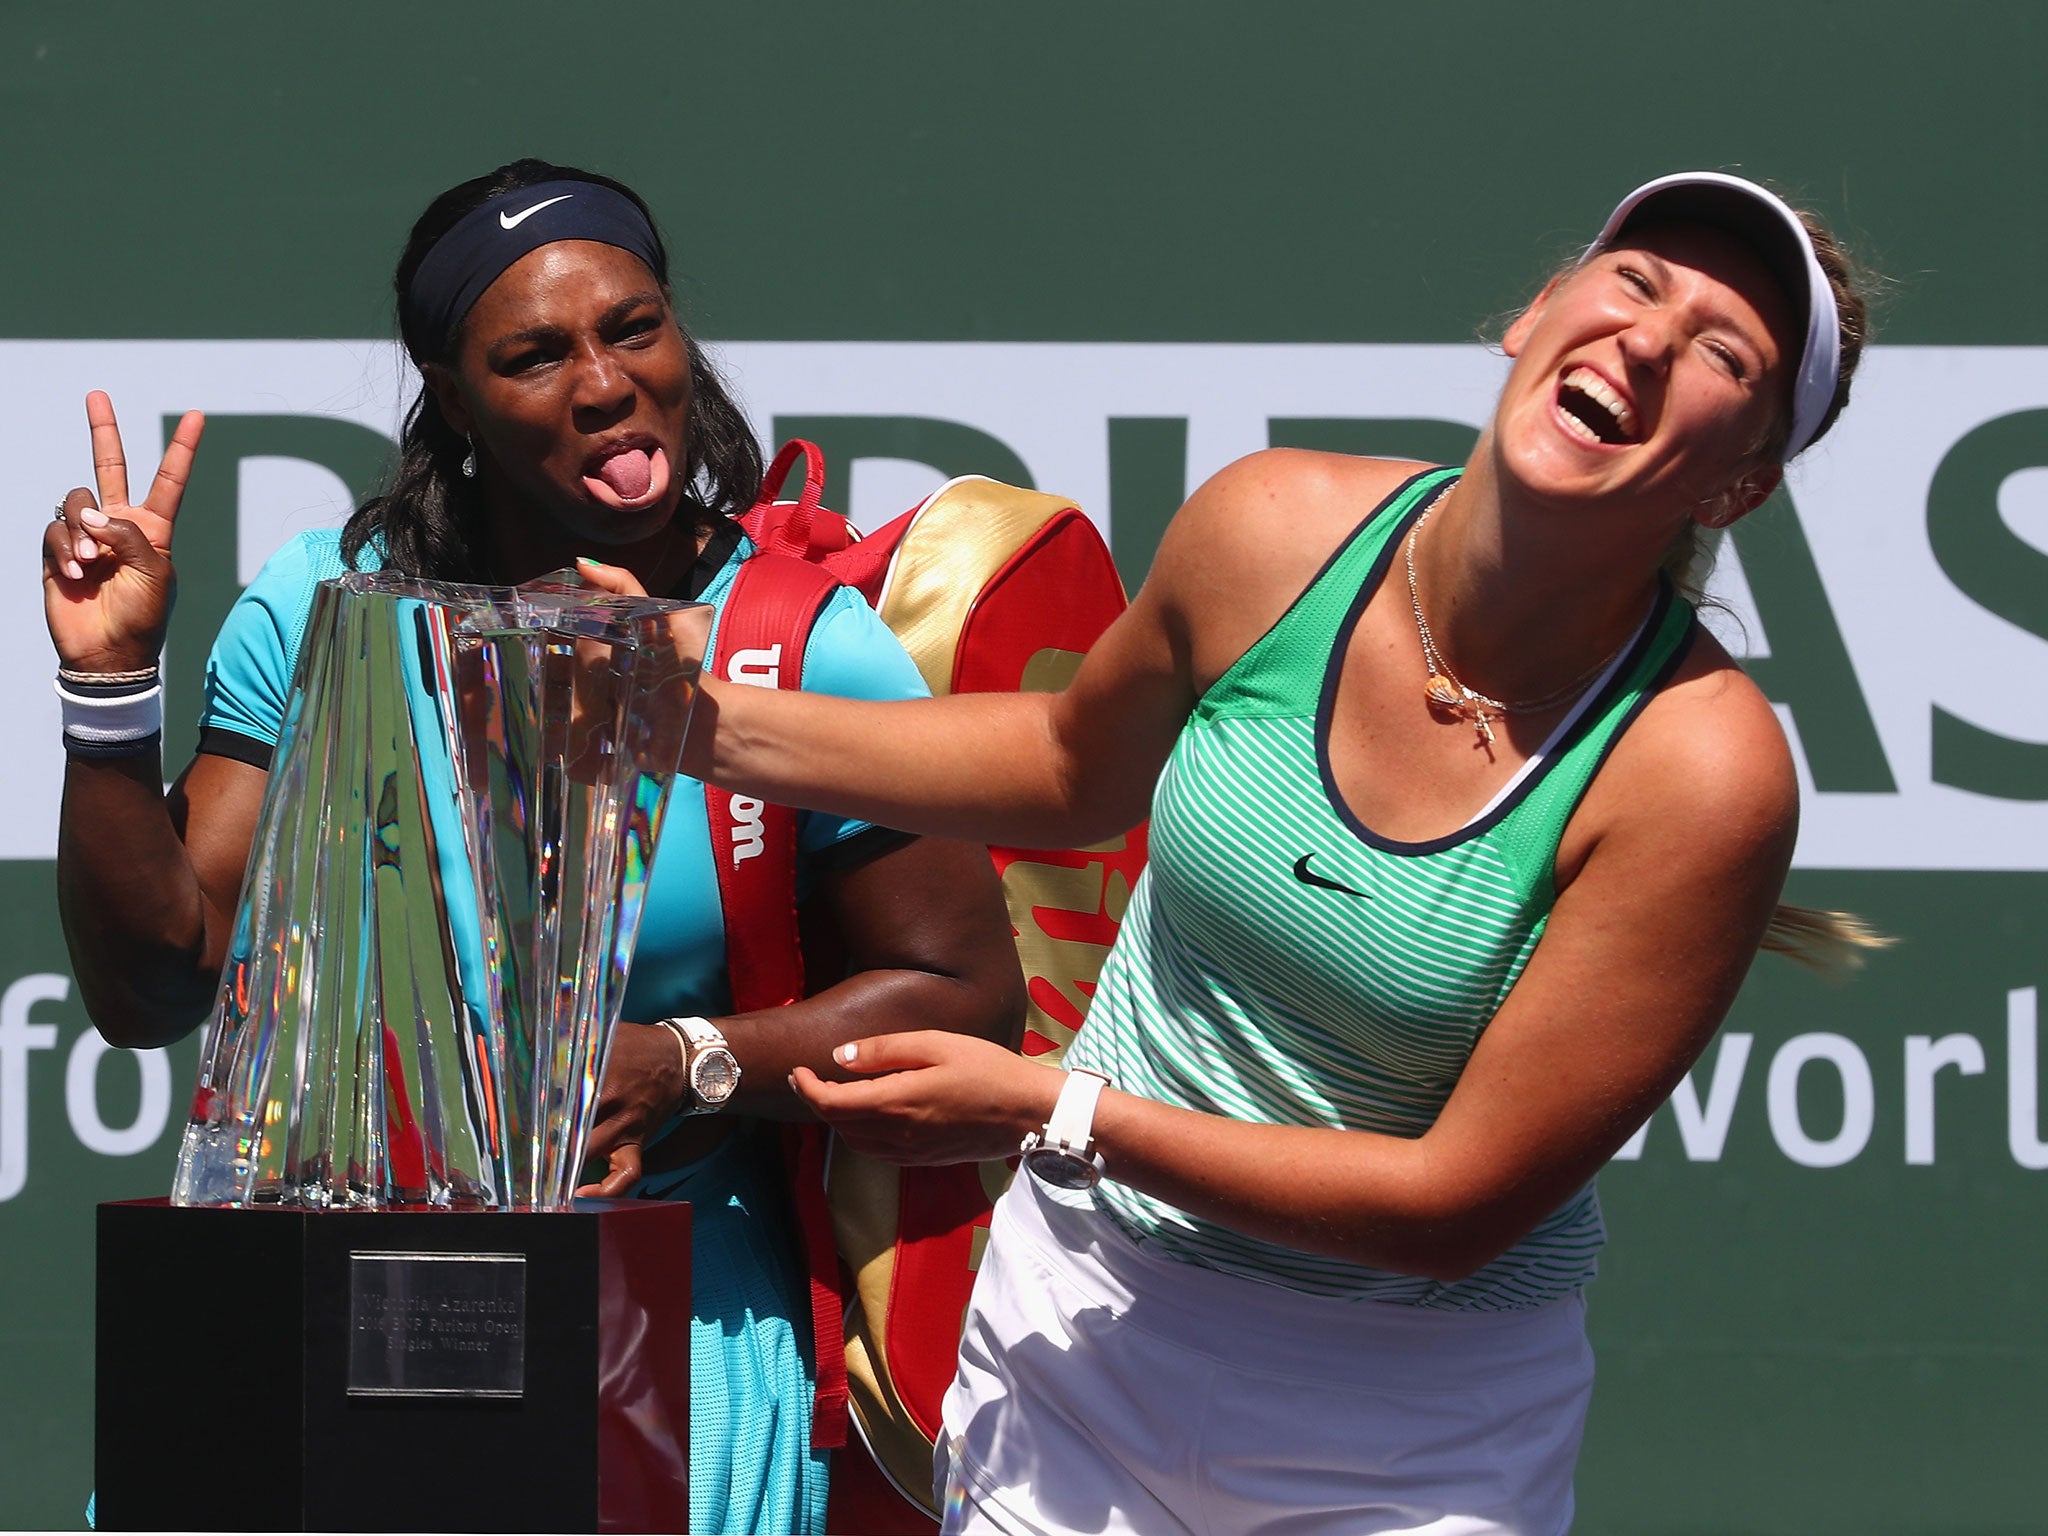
[1106,1390]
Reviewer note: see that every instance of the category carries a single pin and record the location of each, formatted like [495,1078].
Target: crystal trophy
[430,952]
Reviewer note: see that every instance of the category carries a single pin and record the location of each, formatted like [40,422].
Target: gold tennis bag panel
[991,589]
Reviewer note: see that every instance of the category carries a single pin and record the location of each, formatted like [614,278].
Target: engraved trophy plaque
[436,1324]
[431,948]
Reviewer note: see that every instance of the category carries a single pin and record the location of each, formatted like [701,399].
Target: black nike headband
[485,241]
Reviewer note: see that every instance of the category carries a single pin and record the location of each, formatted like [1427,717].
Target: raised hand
[108,584]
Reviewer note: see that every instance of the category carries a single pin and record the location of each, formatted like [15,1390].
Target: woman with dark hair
[565,414]
[1463,836]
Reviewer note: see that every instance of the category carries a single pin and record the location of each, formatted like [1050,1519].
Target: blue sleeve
[249,674]
[853,655]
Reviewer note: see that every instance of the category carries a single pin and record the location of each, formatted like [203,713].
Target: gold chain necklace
[1443,688]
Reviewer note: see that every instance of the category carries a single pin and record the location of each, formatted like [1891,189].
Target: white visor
[1769,225]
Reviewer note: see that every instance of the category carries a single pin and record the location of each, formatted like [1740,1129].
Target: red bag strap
[762,632]
[785,460]
[799,528]
[803,1154]
[761,636]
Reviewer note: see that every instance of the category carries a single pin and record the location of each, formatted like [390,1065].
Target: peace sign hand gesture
[107,578]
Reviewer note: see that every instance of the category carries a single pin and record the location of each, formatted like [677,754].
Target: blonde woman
[1464,834]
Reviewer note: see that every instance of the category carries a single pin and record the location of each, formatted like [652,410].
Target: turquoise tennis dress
[752,1467]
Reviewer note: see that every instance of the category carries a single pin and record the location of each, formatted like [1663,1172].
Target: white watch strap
[699,1032]
[1073,1114]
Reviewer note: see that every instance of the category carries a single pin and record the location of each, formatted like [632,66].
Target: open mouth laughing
[1590,407]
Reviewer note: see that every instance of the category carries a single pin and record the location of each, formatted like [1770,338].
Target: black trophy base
[393,1370]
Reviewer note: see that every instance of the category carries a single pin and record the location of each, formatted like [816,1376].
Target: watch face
[1062,1170]
[714,1075]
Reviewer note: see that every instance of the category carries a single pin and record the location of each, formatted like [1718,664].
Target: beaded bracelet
[97,679]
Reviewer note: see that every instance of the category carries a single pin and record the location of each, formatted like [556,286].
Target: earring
[469,463]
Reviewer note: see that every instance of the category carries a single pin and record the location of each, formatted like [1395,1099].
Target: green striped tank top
[1238,987]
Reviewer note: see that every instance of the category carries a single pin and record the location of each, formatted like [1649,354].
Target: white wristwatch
[710,1070]
[1063,1153]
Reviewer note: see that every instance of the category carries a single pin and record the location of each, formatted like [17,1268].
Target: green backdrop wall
[980,237]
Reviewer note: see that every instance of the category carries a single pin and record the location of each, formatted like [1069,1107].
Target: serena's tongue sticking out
[629,477]
[629,473]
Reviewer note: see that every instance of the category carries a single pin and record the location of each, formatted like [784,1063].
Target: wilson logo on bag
[990,588]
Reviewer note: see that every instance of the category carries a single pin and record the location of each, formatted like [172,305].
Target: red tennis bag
[991,589]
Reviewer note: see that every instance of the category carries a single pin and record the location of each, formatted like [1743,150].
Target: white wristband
[106,721]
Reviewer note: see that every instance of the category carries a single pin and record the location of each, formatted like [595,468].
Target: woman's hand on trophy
[659,683]
[107,578]
[643,1085]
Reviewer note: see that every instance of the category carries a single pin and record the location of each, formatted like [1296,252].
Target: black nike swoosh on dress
[1301,873]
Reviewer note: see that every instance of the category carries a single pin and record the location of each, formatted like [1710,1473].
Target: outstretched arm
[145,882]
[1057,770]
[1018,769]
[1030,770]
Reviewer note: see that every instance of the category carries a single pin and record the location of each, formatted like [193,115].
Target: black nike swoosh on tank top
[1302,873]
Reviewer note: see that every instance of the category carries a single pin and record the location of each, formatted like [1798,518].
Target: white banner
[1915,640]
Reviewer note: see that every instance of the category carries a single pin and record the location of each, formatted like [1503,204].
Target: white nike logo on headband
[513,220]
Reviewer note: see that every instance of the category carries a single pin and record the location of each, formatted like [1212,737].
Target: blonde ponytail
[1832,943]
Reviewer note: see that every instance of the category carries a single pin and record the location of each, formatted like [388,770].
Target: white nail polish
[846,1054]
